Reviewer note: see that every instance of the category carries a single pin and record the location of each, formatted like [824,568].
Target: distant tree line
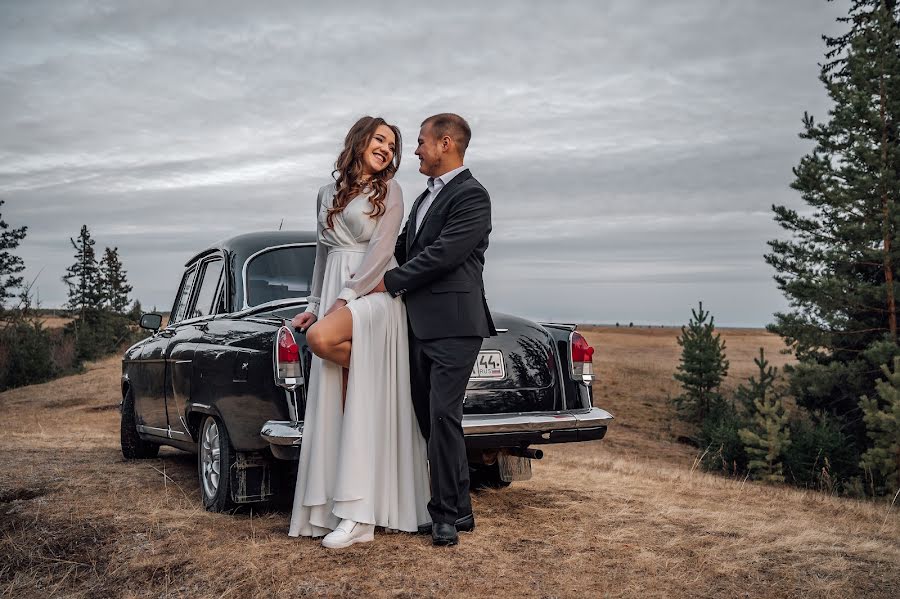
[103,318]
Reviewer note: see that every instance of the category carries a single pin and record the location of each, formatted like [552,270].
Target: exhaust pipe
[528,452]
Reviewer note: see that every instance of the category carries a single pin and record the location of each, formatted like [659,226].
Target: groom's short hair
[453,125]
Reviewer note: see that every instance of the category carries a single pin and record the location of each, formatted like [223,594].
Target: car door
[188,339]
[149,386]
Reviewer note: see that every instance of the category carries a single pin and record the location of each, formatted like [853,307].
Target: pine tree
[134,313]
[83,277]
[702,367]
[113,282]
[10,264]
[838,268]
[756,388]
[768,435]
[882,418]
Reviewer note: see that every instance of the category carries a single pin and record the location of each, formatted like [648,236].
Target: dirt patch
[105,408]
[69,402]
[20,494]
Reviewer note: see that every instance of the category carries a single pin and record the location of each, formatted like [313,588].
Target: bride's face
[380,151]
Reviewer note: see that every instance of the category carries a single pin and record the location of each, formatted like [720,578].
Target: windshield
[279,273]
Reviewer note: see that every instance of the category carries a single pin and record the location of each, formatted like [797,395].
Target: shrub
[821,455]
[723,450]
[25,355]
[100,333]
[882,418]
[766,437]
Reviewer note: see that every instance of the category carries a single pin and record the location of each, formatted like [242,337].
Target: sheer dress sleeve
[318,275]
[381,247]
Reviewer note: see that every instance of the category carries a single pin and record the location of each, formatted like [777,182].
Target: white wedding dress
[367,462]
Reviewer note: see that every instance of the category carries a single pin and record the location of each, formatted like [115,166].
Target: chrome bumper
[482,429]
[534,422]
[283,432]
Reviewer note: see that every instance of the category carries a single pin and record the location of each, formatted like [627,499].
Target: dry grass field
[627,516]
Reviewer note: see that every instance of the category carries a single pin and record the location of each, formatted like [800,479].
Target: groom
[441,256]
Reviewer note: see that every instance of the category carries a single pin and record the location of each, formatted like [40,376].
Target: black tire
[215,487]
[133,447]
[483,476]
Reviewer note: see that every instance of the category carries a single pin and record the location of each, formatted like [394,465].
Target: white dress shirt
[434,188]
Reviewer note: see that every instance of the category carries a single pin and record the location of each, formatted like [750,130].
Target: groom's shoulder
[473,184]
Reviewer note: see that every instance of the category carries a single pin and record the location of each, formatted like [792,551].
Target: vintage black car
[225,378]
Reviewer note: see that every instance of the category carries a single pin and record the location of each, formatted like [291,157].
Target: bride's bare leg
[331,337]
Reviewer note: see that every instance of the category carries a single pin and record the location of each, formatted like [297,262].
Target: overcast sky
[632,149]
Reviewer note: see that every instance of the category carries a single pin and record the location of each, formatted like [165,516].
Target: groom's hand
[379,288]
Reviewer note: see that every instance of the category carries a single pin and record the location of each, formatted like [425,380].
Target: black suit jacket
[441,264]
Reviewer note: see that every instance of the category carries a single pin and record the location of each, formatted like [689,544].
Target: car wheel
[483,476]
[215,458]
[133,447]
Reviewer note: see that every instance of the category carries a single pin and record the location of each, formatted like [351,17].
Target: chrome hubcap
[210,458]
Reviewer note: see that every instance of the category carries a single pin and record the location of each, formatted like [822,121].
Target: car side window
[210,278]
[184,295]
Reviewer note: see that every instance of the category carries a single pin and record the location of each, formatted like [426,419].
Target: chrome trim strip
[562,374]
[179,435]
[156,361]
[152,430]
[563,325]
[273,304]
[281,432]
[292,404]
[167,433]
[263,251]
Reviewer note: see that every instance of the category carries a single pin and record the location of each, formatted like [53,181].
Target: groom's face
[430,152]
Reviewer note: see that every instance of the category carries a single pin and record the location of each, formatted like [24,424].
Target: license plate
[489,365]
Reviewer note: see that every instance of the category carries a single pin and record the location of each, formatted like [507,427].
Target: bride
[362,459]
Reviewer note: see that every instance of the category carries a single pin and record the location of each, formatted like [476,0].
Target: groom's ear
[448,144]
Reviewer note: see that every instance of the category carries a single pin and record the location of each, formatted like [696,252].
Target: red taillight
[582,356]
[581,350]
[287,358]
[288,350]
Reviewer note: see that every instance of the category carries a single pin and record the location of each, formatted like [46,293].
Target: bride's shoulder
[326,193]
[327,188]
[394,186]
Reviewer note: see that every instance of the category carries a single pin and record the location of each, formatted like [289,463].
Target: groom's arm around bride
[440,253]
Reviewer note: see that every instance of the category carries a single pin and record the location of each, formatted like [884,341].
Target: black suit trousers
[439,372]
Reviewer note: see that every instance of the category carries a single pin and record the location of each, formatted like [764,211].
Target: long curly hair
[348,169]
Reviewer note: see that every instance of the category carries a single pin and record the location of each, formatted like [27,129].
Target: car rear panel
[530,369]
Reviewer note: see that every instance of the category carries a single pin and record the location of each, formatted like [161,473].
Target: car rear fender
[577,394]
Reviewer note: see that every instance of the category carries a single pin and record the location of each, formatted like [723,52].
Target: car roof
[247,244]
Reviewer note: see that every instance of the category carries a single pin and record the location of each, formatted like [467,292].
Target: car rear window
[279,273]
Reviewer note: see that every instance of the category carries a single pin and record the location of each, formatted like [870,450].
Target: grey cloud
[632,150]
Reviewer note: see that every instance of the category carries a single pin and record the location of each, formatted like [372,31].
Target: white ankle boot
[347,533]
